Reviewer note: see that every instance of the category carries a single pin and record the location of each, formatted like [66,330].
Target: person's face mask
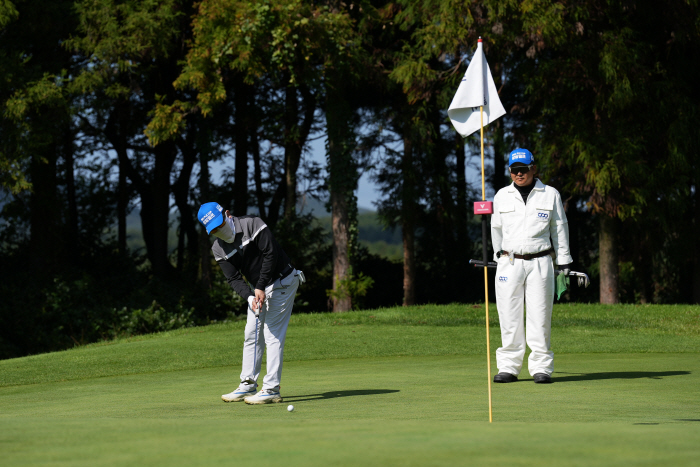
[227,231]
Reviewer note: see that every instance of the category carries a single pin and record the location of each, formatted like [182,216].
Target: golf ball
[290,408]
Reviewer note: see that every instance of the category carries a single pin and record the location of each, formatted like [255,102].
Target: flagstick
[486,277]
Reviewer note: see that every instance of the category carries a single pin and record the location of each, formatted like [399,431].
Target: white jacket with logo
[526,229]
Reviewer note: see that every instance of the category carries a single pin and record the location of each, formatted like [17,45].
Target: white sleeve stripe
[253,236]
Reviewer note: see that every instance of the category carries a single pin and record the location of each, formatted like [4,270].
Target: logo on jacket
[543,215]
[502,278]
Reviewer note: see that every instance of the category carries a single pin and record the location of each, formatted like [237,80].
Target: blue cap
[521,155]
[211,216]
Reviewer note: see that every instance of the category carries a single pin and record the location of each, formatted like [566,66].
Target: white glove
[251,300]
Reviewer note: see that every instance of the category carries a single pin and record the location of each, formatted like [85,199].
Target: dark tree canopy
[121,116]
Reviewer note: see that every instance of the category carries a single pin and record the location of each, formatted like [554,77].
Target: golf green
[631,409]
[380,394]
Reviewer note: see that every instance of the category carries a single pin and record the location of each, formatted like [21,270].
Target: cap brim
[215,222]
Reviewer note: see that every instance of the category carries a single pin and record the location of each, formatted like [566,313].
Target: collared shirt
[527,228]
[254,254]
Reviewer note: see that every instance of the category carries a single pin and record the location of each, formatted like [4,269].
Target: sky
[367,192]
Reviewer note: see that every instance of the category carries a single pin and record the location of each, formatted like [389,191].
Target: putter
[255,351]
[582,278]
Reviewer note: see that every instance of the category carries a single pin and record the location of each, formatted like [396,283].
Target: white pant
[525,284]
[272,326]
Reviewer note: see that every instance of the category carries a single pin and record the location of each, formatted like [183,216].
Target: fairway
[367,390]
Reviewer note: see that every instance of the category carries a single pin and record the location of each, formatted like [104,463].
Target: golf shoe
[504,377]
[266,396]
[542,378]
[238,395]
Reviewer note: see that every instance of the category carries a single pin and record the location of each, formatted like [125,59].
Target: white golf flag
[476,89]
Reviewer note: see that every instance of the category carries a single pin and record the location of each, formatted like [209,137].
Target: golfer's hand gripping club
[258,301]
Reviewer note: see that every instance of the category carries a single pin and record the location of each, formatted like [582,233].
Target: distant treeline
[112,104]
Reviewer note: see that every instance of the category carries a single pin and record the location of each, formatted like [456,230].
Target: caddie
[244,246]
[529,233]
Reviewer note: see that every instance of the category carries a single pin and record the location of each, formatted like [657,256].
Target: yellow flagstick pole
[486,277]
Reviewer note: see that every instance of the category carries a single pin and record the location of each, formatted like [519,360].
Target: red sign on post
[483,207]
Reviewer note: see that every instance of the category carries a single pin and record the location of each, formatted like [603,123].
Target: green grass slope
[381,387]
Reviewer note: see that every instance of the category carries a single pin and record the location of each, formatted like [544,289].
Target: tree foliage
[114,106]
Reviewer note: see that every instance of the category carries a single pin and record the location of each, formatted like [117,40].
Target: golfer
[244,246]
[528,229]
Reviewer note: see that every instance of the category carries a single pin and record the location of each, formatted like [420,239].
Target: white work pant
[271,332]
[525,287]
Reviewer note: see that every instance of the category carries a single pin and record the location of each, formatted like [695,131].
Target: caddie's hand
[259,298]
[565,268]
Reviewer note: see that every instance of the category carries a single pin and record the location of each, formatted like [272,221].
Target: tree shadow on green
[335,394]
[615,375]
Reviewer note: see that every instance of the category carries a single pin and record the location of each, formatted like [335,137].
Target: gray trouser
[272,331]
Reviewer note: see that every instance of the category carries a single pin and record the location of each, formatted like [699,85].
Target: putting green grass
[382,387]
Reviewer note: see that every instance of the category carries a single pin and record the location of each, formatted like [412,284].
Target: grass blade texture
[399,386]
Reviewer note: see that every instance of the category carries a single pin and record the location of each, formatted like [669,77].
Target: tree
[143,42]
[594,73]
[292,45]
[427,63]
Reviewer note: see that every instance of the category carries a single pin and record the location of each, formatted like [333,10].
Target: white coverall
[526,229]
[272,331]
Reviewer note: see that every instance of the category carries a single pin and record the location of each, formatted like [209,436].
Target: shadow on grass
[334,394]
[615,375]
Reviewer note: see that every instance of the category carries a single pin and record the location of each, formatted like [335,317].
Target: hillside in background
[378,240]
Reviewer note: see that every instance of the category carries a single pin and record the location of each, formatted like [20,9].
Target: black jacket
[254,253]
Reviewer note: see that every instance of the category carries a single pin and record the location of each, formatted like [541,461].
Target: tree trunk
[575,219]
[205,254]
[257,170]
[608,260]
[292,151]
[181,190]
[341,257]
[43,223]
[462,212]
[241,96]
[498,180]
[155,210]
[342,181]
[122,207]
[273,210]
[408,222]
[116,131]
[73,240]
[696,235]
[296,135]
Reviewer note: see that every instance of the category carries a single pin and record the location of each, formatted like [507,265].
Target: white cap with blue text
[211,215]
[521,155]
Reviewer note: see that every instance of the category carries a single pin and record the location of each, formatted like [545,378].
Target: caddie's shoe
[238,395]
[266,396]
[505,378]
[542,378]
